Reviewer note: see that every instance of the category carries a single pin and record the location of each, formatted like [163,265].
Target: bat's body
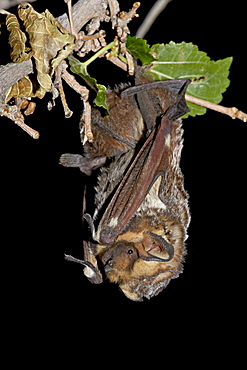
[141,215]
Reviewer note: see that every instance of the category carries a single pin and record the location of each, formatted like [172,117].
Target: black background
[42,201]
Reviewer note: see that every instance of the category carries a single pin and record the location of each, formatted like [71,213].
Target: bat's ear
[158,248]
[179,108]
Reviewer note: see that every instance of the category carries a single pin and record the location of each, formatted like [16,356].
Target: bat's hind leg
[86,165]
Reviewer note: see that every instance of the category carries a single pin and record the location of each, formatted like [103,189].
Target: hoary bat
[136,233]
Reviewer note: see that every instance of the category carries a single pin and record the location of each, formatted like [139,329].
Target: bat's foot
[86,165]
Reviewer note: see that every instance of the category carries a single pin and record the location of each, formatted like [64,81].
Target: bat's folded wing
[149,163]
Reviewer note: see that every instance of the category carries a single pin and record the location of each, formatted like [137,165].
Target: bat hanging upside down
[138,226]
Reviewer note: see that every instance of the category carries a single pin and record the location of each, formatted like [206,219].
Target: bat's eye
[130,251]
[109,262]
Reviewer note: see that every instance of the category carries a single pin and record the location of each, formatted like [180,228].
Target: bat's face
[143,262]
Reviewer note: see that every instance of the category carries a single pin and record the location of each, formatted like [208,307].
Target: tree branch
[157,8]
[11,73]
[5,4]
[83,12]
[232,112]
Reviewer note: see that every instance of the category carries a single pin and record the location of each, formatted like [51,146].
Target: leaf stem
[101,51]
[232,112]
[122,58]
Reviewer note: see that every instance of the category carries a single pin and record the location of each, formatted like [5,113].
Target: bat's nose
[108,265]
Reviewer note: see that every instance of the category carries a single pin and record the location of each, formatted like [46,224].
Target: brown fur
[164,213]
[138,257]
[141,278]
[111,139]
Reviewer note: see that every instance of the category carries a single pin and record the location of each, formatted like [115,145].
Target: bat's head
[143,264]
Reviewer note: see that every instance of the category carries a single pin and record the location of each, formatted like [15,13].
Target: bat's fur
[109,177]
[168,217]
[140,258]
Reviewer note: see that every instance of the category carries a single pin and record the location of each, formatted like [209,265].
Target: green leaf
[81,69]
[184,60]
[139,49]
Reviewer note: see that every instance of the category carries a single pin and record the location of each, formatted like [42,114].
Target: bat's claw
[86,165]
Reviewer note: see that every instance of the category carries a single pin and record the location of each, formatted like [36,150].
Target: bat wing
[150,162]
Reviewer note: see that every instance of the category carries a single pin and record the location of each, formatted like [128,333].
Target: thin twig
[85,123]
[68,113]
[12,113]
[71,81]
[71,21]
[232,112]
[118,63]
[157,8]
[30,131]
[85,120]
